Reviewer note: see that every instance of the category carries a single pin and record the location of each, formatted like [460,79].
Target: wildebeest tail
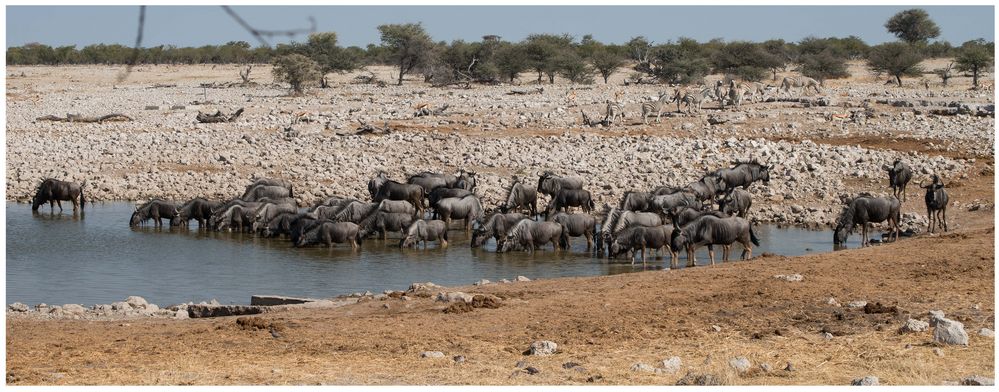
[752,236]
[82,199]
[590,204]
[563,239]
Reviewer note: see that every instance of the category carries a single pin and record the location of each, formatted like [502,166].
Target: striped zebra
[803,83]
[695,99]
[750,90]
[614,110]
[720,93]
[656,107]
[735,93]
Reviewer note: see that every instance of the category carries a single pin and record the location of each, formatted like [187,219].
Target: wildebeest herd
[711,211]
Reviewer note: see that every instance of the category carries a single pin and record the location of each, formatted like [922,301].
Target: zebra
[692,99]
[614,110]
[800,82]
[735,93]
[656,107]
[720,94]
[751,89]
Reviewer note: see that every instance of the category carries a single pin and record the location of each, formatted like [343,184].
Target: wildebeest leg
[725,249]
[711,255]
[74,205]
[747,251]
[943,211]
[929,213]
[52,206]
[59,203]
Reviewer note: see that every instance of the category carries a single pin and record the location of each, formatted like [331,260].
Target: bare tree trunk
[898,78]
[402,70]
[974,77]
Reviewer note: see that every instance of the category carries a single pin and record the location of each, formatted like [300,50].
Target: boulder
[740,364]
[431,354]
[913,325]
[949,331]
[986,333]
[18,307]
[74,309]
[866,381]
[978,380]
[454,296]
[643,367]
[671,365]
[543,347]
[136,302]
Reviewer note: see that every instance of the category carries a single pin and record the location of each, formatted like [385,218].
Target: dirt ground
[604,324]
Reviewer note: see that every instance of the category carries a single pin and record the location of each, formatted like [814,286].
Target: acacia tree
[896,59]
[511,60]
[407,45]
[913,26]
[297,70]
[543,53]
[322,47]
[974,56]
[824,65]
[606,61]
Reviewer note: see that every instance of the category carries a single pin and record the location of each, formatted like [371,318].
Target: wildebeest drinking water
[329,233]
[495,226]
[638,238]
[529,235]
[423,231]
[899,175]
[711,230]
[744,174]
[863,211]
[53,191]
[616,220]
[936,203]
[156,209]
[198,209]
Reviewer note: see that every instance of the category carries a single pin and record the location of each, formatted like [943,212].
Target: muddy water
[96,258]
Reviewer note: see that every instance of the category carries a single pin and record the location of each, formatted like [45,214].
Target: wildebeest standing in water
[936,203]
[899,175]
[566,198]
[495,226]
[53,191]
[638,238]
[198,209]
[520,196]
[865,210]
[329,233]
[529,235]
[711,230]
[156,210]
[421,230]
[578,225]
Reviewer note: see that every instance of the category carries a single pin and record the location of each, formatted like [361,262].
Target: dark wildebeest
[520,196]
[393,190]
[665,190]
[330,211]
[936,203]
[156,210]
[495,226]
[707,187]
[578,225]
[639,238]
[280,224]
[636,201]
[329,233]
[865,210]
[217,212]
[466,181]
[616,220]
[384,222]
[743,174]
[711,230]
[329,201]
[736,203]
[268,211]
[424,231]
[376,183]
[429,181]
[302,225]
[528,234]
[681,216]
[396,206]
[662,204]
[442,193]
[355,212]
[899,175]
[549,184]
[468,208]
[54,191]
[269,182]
[238,217]
[198,209]
[566,198]
[269,191]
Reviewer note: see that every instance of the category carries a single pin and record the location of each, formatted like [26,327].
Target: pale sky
[356,25]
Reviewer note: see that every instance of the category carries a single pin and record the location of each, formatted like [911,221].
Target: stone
[716,328]
[18,307]
[765,367]
[482,282]
[827,336]
[938,352]
[643,367]
[934,316]
[458,359]
[272,300]
[832,301]
[948,331]
[740,364]
[866,381]
[431,354]
[986,333]
[978,380]
[532,370]
[199,311]
[913,325]
[671,365]
[543,347]
[569,365]
[698,379]
[121,306]
[74,309]
[136,302]
[789,367]
[42,308]
[454,296]
[521,278]
[790,278]
[857,304]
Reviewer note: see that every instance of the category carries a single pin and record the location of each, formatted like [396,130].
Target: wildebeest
[268,182]
[711,230]
[268,211]
[442,193]
[329,233]
[396,206]
[355,211]
[53,191]
[865,210]
[421,230]
[743,174]
[156,210]
[707,187]
[578,225]
[566,198]
[936,203]
[736,203]
[384,222]
[899,175]
[280,224]
[330,211]
[376,183]
[466,181]
[663,203]
[616,220]
[302,225]
[681,216]
[549,184]
[198,209]
[237,216]
[269,191]
[495,226]
[639,238]
[636,201]
[528,234]
[665,190]
[393,190]
[520,196]
[218,212]
[468,208]
[428,180]
[329,201]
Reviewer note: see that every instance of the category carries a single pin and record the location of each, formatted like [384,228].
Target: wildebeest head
[408,241]
[765,173]
[136,218]
[677,239]
[542,176]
